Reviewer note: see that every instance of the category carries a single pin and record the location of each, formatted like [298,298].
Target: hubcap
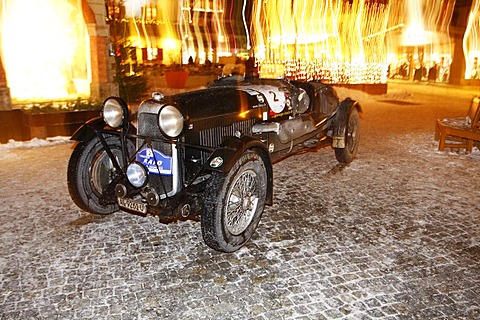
[242,203]
[102,170]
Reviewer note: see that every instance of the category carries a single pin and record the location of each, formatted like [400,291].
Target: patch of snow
[399,95]
[356,95]
[34,143]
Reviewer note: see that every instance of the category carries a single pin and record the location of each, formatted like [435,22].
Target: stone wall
[5,98]
[103,65]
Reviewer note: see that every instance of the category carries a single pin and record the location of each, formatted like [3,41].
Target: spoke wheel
[242,203]
[234,203]
[103,171]
[90,171]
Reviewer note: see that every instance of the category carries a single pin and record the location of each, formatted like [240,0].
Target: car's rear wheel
[352,136]
[90,171]
[234,203]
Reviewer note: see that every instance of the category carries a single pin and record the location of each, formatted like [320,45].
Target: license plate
[132,205]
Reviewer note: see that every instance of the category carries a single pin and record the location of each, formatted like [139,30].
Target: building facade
[62,54]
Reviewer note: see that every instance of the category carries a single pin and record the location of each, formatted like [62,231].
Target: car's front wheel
[234,203]
[90,171]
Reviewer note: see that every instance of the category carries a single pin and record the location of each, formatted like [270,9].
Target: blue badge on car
[154,161]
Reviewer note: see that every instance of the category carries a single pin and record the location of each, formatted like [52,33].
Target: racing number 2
[274,95]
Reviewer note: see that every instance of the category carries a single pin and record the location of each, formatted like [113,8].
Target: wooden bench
[460,132]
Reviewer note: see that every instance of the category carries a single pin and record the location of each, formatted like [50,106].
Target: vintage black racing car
[206,154]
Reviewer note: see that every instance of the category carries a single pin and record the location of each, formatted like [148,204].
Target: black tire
[352,136]
[234,203]
[90,171]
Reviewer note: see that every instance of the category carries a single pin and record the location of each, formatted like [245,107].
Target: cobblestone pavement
[394,235]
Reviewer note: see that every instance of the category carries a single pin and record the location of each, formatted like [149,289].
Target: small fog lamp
[137,174]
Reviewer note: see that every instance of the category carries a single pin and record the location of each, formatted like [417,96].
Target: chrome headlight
[170,121]
[137,174]
[115,112]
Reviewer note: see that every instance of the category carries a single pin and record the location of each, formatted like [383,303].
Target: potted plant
[176,75]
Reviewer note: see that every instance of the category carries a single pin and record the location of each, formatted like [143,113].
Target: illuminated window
[151,12]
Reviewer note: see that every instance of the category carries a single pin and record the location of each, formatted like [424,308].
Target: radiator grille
[213,137]
[147,126]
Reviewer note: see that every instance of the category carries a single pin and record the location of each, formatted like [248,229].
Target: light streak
[415,33]
[351,41]
[244,20]
[333,40]
[471,45]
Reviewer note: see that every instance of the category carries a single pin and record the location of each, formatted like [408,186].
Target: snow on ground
[392,235]
[34,143]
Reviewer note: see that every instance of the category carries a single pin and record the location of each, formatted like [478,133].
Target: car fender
[87,130]
[224,157]
[341,119]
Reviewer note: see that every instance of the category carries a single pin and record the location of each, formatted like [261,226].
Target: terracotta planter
[21,126]
[11,126]
[176,78]
[45,125]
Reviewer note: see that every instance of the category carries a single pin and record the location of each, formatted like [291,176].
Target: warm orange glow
[45,49]
[330,40]
[198,27]
[152,26]
[421,39]
[471,44]
[204,31]
[415,34]
[352,41]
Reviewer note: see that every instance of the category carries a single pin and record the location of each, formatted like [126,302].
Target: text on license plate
[132,205]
